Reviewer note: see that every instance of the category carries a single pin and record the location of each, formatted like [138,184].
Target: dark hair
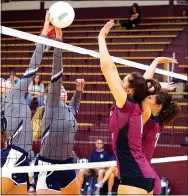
[34,79]
[142,87]
[170,110]
[12,72]
[136,6]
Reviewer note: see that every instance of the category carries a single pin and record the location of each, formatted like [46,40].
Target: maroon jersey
[126,127]
[151,133]
[51,33]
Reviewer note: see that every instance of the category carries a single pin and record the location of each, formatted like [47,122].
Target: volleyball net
[93,116]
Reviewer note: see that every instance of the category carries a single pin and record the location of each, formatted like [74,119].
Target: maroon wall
[177,174]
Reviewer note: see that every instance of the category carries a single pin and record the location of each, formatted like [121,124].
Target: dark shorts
[54,180]
[13,156]
[143,183]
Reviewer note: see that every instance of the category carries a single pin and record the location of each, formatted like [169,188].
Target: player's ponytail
[153,86]
[170,110]
[142,87]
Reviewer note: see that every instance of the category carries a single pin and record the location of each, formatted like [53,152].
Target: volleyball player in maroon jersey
[163,111]
[126,122]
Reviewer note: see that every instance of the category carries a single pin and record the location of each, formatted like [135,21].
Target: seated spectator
[35,91]
[134,18]
[184,12]
[110,175]
[5,86]
[97,155]
[185,142]
[13,78]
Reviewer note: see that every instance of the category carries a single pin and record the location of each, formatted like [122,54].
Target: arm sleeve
[20,88]
[53,97]
[75,102]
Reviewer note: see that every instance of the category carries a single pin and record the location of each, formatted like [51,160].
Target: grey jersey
[15,113]
[59,124]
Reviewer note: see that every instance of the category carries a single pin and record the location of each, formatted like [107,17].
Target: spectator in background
[36,91]
[110,175]
[97,155]
[134,18]
[184,12]
[13,78]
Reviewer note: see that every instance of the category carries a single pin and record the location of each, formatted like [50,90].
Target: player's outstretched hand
[105,30]
[161,60]
[80,83]
[47,27]
[168,86]
[59,33]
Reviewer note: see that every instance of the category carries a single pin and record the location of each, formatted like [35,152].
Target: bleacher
[152,38]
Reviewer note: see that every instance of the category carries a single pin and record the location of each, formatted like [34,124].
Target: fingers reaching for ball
[59,33]
[80,83]
[105,30]
[47,27]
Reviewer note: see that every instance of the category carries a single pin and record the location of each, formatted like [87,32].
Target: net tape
[75,166]
[53,43]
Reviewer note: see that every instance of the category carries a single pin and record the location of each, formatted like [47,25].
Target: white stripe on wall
[21,5]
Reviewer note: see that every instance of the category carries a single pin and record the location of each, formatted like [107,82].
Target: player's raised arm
[34,63]
[149,73]
[109,69]
[54,90]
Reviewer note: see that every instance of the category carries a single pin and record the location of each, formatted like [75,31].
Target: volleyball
[61,14]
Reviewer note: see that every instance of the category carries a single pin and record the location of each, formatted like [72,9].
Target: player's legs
[47,192]
[18,190]
[135,185]
[131,190]
[16,157]
[72,189]
[150,193]
[81,174]
[6,185]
